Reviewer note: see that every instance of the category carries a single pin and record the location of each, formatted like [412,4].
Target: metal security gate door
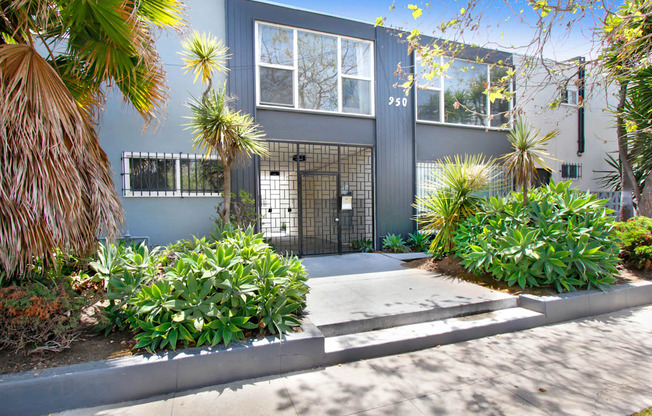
[305,187]
[319,231]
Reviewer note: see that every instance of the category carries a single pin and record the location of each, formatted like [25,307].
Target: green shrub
[394,243]
[365,245]
[561,237]
[636,242]
[213,292]
[418,241]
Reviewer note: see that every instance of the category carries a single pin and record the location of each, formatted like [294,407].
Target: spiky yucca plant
[217,128]
[455,193]
[528,153]
[55,183]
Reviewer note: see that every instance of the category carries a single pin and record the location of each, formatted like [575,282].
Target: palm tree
[55,183]
[528,154]
[218,129]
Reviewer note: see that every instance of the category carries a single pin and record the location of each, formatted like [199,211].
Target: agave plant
[56,188]
[217,128]
[528,153]
[455,193]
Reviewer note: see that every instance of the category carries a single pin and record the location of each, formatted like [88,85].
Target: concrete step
[356,326]
[406,338]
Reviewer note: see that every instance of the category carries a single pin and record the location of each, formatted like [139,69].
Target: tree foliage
[528,153]
[618,35]
[217,128]
[55,184]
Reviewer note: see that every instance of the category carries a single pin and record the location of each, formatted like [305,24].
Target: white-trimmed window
[570,96]
[171,174]
[313,71]
[457,95]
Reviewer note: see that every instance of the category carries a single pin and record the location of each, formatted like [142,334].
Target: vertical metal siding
[394,141]
[240,40]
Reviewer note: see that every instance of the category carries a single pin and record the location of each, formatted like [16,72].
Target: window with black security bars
[571,170]
[151,174]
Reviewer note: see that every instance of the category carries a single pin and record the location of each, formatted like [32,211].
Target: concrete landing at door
[369,291]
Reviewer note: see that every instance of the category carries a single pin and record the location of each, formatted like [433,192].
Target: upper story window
[457,95]
[313,71]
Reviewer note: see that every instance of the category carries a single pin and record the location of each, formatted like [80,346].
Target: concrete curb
[569,306]
[132,378]
[124,379]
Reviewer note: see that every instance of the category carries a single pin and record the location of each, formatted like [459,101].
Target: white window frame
[176,157]
[295,74]
[442,90]
[567,102]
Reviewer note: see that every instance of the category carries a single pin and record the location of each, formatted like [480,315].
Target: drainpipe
[581,142]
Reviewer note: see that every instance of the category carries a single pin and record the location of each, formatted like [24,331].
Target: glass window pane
[356,58]
[275,45]
[199,175]
[151,175]
[464,98]
[317,71]
[426,72]
[499,108]
[428,105]
[276,86]
[356,96]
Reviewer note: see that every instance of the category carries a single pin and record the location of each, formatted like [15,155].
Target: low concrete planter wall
[568,306]
[132,378]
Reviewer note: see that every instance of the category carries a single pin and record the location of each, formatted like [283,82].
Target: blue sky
[500,25]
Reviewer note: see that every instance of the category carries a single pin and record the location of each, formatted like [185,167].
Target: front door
[319,213]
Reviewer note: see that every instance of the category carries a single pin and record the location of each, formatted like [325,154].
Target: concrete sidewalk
[596,366]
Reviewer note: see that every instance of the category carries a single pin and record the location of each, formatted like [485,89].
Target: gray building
[347,148]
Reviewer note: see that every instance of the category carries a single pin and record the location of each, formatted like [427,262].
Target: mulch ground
[90,346]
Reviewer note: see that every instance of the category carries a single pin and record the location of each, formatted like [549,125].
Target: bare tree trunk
[226,205]
[645,204]
[628,184]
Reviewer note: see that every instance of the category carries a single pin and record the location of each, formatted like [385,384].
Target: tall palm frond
[528,154]
[204,55]
[217,129]
[56,185]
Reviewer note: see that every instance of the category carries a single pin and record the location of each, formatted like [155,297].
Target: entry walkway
[364,291]
[595,366]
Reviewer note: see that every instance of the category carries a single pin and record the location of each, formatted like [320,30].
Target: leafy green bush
[394,243]
[213,292]
[561,237]
[364,245]
[636,242]
[418,241]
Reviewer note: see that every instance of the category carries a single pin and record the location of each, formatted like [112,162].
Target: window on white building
[570,96]
[171,174]
[313,71]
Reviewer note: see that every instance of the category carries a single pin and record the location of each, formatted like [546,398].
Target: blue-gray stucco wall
[163,219]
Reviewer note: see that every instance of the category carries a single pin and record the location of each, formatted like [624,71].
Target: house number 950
[398,101]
